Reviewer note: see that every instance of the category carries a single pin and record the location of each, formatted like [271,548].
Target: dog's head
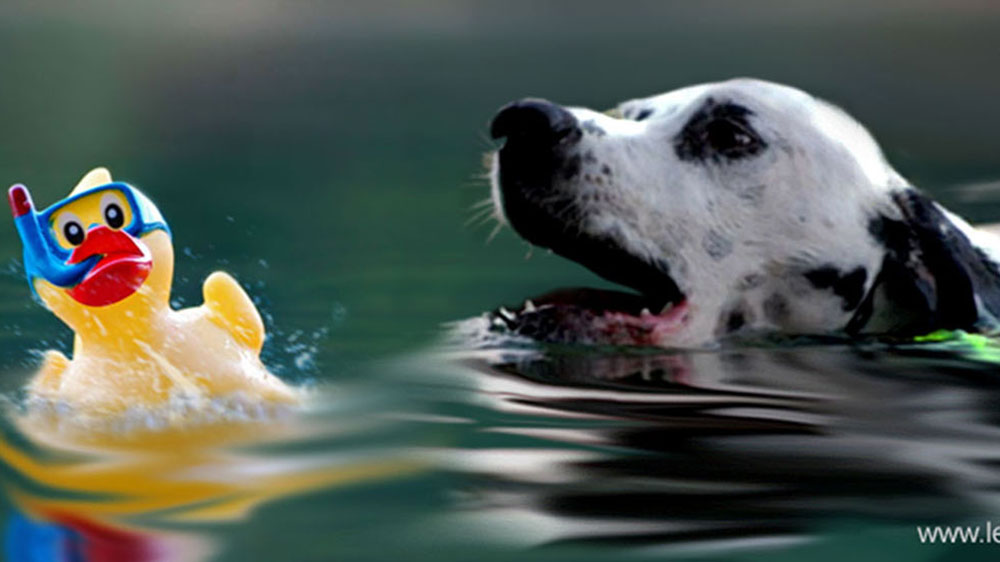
[726,206]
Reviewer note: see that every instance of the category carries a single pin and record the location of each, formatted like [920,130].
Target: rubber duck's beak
[123,267]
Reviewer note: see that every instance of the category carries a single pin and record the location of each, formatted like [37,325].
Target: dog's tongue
[593,316]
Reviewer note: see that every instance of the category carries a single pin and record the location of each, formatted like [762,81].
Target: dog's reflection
[739,443]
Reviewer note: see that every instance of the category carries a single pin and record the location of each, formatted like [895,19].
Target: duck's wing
[49,376]
[231,308]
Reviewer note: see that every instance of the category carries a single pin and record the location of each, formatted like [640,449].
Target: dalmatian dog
[738,207]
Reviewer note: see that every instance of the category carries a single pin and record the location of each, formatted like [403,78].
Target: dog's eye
[718,131]
[731,139]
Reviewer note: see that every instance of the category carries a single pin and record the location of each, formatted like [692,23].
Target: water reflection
[149,493]
[749,443]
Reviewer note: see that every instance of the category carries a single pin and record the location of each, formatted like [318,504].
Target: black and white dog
[733,207]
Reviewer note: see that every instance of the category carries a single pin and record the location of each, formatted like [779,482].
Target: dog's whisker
[479,217]
[488,142]
[476,181]
[483,206]
[487,202]
[487,161]
[493,233]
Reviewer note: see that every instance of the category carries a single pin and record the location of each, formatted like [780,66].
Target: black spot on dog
[735,321]
[718,131]
[571,168]
[776,308]
[716,245]
[589,157]
[848,286]
[605,169]
[643,114]
[751,281]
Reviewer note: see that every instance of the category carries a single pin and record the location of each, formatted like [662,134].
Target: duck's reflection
[140,494]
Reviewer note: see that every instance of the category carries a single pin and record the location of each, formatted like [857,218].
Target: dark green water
[329,155]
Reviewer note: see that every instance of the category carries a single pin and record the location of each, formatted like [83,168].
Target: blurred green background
[329,153]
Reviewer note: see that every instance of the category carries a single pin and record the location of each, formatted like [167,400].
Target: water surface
[329,157]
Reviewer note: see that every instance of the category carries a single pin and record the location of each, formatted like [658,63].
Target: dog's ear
[932,277]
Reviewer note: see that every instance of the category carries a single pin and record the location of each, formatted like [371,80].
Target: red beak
[124,266]
[103,241]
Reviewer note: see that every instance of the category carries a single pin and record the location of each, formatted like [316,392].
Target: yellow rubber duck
[102,261]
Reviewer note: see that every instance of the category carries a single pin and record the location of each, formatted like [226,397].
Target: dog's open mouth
[593,316]
[533,176]
[652,313]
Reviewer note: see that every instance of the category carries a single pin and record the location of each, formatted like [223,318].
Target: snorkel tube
[40,259]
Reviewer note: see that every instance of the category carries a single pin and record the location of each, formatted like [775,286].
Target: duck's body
[136,351]
[209,351]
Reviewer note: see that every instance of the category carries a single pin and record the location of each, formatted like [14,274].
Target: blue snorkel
[39,258]
[43,257]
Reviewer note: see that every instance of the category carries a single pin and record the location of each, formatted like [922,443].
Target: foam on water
[180,411]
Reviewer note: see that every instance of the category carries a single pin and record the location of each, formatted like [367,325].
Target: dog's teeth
[529,306]
[668,308]
[645,312]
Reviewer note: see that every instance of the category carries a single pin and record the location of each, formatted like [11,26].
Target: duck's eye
[113,215]
[73,231]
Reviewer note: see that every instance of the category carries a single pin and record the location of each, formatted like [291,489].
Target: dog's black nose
[537,120]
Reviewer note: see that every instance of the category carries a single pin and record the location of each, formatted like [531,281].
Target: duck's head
[103,254]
